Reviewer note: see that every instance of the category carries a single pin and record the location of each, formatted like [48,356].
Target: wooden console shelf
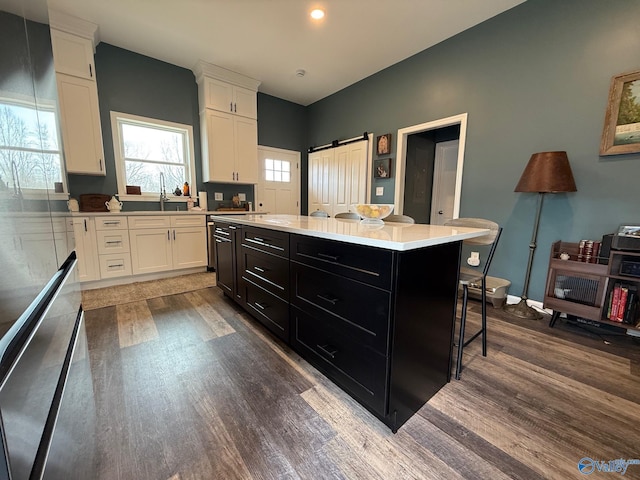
[583,289]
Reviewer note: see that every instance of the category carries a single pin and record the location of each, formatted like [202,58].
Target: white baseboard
[139,278]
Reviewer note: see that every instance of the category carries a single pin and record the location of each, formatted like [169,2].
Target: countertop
[392,236]
[157,212]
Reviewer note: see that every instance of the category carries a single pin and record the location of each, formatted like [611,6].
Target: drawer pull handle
[111,223]
[258,239]
[220,231]
[260,305]
[332,301]
[259,269]
[333,258]
[328,350]
[110,242]
[117,265]
[231,227]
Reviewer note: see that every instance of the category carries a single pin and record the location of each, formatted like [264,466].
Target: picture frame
[382,168]
[383,144]
[621,132]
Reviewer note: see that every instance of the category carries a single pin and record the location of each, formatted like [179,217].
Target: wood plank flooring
[188,386]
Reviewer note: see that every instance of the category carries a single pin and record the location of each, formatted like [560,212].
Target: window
[30,156]
[277,170]
[145,148]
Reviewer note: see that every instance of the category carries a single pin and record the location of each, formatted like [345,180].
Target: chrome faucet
[163,192]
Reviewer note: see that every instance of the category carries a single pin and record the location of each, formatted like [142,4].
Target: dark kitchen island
[372,307]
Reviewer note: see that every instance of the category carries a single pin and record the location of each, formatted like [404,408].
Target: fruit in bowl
[373,212]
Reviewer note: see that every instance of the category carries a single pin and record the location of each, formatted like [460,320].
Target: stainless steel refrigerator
[46,402]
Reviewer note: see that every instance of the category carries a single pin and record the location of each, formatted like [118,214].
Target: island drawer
[366,264]
[268,241]
[354,304]
[268,309]
[268,271]
[358,369]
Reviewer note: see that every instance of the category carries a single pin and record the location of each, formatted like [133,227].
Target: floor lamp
[546,172]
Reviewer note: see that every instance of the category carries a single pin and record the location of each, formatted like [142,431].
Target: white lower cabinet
[182,243]
[84,234]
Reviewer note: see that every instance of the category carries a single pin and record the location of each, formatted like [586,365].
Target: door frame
[401,149]
[257,188]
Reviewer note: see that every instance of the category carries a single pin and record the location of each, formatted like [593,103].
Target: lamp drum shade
[547,172]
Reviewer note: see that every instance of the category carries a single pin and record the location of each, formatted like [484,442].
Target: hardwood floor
[189,387]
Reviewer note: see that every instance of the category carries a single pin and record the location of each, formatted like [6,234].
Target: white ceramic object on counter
[73,205]
[114,205]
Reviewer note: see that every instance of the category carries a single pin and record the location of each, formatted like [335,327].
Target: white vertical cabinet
[81,128]
[228,119]
[338,178]
[150,250]
[72,41]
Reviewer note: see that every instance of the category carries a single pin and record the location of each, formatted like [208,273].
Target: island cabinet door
[225,264]
[336,350]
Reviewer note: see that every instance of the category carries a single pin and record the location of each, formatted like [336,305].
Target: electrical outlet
[242,197]
[218,196]
[379,191]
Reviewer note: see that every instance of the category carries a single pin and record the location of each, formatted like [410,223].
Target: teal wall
[132,83]
[535,78]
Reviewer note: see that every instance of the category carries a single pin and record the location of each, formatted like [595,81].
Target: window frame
[119,118]
[49,107]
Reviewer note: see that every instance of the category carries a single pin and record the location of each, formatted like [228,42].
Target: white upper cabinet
[225,97]
[72,55]
[73,42]
[228,119]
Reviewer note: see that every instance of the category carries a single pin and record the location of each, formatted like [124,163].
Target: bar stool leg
[484,316]
[463,319]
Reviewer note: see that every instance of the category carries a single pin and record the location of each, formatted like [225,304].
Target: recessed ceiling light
[317,14]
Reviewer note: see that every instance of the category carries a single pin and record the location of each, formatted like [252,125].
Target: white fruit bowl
[373,213]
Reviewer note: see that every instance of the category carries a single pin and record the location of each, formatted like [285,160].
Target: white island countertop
[392,236]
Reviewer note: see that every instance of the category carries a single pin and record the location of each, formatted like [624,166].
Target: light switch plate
[218,196]
[379,191]
[242,197]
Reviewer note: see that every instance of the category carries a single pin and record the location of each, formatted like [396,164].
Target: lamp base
[522,310]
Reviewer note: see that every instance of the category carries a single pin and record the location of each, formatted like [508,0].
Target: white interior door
[279,184]
[444,182]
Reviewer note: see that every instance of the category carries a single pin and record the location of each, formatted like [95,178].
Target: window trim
[118,152]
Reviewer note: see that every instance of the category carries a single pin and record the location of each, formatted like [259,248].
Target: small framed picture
[383,144]
[382,168]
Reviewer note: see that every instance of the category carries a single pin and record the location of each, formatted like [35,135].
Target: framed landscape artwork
[621,133]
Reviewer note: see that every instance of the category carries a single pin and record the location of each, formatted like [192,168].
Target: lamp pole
[521,309]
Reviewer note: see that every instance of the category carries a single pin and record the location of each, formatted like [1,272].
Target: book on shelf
[622,304]
[588,251]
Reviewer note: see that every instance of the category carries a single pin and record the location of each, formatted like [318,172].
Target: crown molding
[203,69]
[74,25]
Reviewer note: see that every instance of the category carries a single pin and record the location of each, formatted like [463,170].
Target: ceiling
[270,40]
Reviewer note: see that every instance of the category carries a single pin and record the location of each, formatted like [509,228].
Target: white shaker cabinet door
[246,149]
[189,247]
[150,250]
[81,130]
[72,55]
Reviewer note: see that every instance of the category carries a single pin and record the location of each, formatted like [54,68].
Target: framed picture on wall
[382,168]
[621,133]
[383,144]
